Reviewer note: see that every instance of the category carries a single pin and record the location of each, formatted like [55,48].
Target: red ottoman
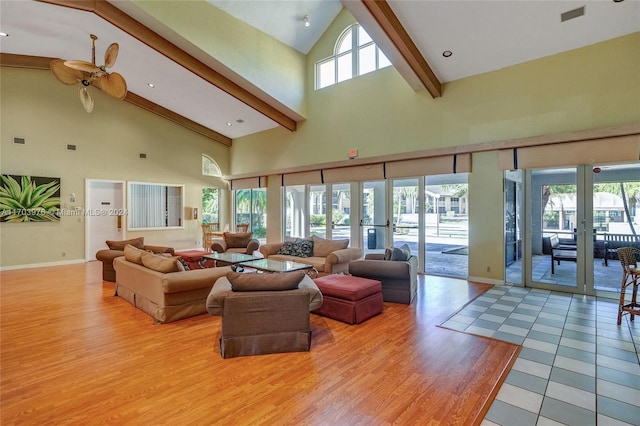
[349,299]
[195,260]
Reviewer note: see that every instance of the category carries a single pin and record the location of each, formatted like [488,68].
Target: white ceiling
[483,36]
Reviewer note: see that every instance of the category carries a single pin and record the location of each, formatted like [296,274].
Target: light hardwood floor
[72,353]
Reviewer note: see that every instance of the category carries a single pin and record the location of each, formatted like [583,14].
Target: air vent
[575,13]
[19,141]
[143,155]
[71,147]
[240,121]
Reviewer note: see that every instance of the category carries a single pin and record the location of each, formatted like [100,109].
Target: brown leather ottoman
[195,260]
[349,299]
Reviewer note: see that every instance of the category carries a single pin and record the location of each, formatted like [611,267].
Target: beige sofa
[327,257]
[163,289]
[116,249]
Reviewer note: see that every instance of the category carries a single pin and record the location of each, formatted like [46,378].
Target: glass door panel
[258,224]
[406,212]
[446,225]
[513,226]
[341,211]
[553,222]
[616,215]
[374,222]
[295,214]
[318,210]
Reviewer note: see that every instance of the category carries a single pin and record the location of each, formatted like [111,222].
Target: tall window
[210,205]
[251,208]
[355,54]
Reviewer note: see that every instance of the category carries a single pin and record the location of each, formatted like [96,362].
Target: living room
[593,90]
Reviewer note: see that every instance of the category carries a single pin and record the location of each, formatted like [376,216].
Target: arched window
[355,54]
[210,167]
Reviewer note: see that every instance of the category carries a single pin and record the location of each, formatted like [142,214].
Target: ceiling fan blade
[86,99]
[82,66]
[111,55]
[113,84]
[65,74]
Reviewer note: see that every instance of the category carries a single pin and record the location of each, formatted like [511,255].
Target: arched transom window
[355,54]
[210,167]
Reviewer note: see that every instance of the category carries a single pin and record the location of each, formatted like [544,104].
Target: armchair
[264,313]
[237,242]
[399,278]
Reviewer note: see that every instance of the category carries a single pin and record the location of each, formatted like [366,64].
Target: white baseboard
[42,265]
[485,280]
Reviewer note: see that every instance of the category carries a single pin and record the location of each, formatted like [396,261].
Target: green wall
[35,106]
[271,66]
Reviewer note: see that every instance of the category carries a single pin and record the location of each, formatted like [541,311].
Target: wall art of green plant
[29,199]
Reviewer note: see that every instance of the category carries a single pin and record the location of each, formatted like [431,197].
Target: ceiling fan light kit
[72,72]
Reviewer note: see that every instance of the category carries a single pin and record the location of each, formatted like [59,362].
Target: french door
[374,221]
[569,213]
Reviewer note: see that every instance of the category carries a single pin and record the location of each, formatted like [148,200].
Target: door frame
[87,223]
[584,280]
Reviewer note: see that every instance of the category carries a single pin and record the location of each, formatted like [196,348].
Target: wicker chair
[242,227]
[631,277]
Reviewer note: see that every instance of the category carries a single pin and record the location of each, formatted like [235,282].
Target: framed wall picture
[29,198]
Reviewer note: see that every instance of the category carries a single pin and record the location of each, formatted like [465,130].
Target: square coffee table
[278,266]
[230,258]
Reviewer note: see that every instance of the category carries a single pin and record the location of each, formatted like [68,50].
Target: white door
[105,217]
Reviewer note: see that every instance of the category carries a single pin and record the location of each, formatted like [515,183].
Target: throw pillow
[160,263]
[237,239]
[264,282]
[323,247]
[387,253]
[300,247]
[287,248]
[120,245]
[133,254]
[402,254]
[184,264]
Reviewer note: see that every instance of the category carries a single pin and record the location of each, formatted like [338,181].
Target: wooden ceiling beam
[126,23]
[43,63]
[388,21]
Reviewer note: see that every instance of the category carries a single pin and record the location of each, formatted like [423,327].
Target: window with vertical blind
[155,205]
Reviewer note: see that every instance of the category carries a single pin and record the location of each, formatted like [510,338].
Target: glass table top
[231,257]
[269,265]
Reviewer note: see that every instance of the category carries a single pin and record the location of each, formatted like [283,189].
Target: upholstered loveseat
[161,287]
[326,256]
[116,249]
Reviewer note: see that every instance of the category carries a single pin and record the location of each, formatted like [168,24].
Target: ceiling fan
[89,74]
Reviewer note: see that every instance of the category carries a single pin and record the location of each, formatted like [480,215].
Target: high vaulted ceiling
[195,90]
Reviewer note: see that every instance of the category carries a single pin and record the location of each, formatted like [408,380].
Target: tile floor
[576,366]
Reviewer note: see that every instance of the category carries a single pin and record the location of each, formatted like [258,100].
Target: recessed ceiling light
[447,53]
[151,85]
[306,21]
[229,124]
[4,35]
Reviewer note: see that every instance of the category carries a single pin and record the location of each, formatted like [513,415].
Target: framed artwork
[29,199]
